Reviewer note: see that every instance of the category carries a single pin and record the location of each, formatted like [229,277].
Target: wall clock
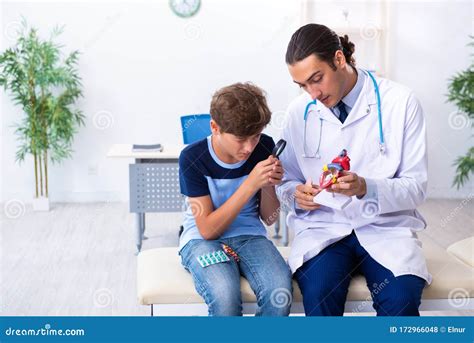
[185,8]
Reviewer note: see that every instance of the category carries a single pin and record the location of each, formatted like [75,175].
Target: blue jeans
[219,284]
[324,282]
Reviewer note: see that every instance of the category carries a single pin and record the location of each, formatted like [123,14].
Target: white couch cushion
[161,279]
[463,250]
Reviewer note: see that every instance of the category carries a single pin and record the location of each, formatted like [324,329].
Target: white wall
[429,45]
[143,67]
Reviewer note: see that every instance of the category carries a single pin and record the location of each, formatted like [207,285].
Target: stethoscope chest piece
[382,149]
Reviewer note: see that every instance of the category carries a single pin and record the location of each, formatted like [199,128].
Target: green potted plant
[45,84]
[461,93]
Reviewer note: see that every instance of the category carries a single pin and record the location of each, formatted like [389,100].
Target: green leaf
[465,167]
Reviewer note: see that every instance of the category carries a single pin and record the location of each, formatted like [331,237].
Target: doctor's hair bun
[321,41]
[348,49]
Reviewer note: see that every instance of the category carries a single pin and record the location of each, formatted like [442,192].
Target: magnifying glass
[279,147]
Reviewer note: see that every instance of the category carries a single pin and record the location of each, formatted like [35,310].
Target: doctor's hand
[304,195]
[350,184]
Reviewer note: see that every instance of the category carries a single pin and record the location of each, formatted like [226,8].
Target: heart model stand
[329,177]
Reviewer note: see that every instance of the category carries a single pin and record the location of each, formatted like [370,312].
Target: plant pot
[41,204]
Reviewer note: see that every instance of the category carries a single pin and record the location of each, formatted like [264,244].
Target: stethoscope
[382,148]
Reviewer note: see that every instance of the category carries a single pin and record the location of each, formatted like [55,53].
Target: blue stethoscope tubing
[379,113]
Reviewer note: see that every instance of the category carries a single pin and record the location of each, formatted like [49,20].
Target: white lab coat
[400,176]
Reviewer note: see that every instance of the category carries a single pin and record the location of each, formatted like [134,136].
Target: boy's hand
[304,195]
[265,173]
[276,175]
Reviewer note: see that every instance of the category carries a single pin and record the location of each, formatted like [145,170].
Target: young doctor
[381,125]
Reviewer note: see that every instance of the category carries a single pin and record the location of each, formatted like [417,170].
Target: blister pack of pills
[211,258]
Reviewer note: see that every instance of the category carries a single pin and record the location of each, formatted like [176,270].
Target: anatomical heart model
[328,178]
[334,170]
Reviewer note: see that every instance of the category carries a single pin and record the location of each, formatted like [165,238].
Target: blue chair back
[195,127]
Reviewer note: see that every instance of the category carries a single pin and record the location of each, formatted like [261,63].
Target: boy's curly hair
[240,109]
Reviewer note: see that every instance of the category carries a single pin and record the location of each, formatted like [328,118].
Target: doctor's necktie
[342,111]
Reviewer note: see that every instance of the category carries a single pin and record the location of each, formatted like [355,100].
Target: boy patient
[229,182]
